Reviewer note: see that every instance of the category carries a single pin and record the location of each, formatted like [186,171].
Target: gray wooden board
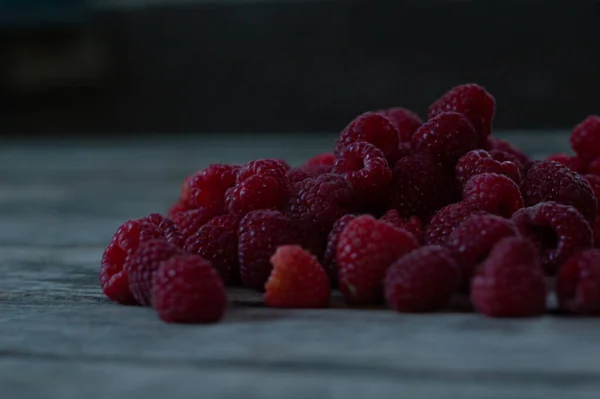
[59,338]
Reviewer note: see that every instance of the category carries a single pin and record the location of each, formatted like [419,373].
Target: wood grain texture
[59,338]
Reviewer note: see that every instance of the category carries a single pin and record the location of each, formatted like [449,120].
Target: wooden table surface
[60,202]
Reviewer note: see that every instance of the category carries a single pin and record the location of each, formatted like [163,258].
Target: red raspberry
[329,258]
[219,246]
[320,201]
[413,225]
[472,241]
[297,280]
[228,222]
[372,128]
[578,283]
[420,186]
[474,102]
[585,138]
[551,181]
[574,163]
[185,190]
[304,234]
[493,193]
[260,184]
[511,282]
[365,167]
[446,220]
[190,221]
[259,235]
[187,290]
[448,136]
[142,264]
[324,159]
[503,156]
[477,162]
[178,207]
[207,187]
[505,146]
[365,250]
[594,182]
[114,279]
[404,120]
[559,231]
[594,167]
[422,281]
[404,149]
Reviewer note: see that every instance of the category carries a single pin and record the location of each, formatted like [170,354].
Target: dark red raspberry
[585,138]
[594,182]
[511,282]
[178,207]
[493,193]
[559,231]
[329,258]
[168,229]
[372,128]
[594,167]
[218,245]
[259,235]
[304,234]
[404,149]
[260,184]
[552,181]
[365,167]
[574,163]
[207,187]
[447,136]
[113,277]
[505,146]
[420,186]
[446,220]
[228,222]
[366,248]
[185,189]
[422,281]
[190,221]
[142,264]
[404,120]
[188,290]
[578,284]
[324,159]
[472,241]
[503,156]
[477,162]
[474,102]
[320,201]
[413,225]
[295,175]
[297,280]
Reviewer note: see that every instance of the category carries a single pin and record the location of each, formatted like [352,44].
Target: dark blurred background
[152,66]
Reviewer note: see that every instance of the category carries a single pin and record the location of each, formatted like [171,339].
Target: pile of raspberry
[403,212]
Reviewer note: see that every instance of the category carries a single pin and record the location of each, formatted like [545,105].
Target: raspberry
[190,221]
[594,182]
[207,187]
[372,128]
[551,181]
[260,184]
[574,163]
[295,175]
[578,284]
[404,149]
[320,201]
[511,282]
[329,258]
[559,231]
[472,241]
[422,281]
[185,190]
[503,156]
[365,250]
[413,225]
[420,186]
[493,193]
[474,102]
[228,222]
[259,235]
[187,290]
[594,167]
[114,279]
[404,120]
[446,220]
[142,264]
[324,159]
[585,138]
[505,146]
[365,167]
[297,280]
[477,162]
[447,136]
[178,207]
[218,245]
